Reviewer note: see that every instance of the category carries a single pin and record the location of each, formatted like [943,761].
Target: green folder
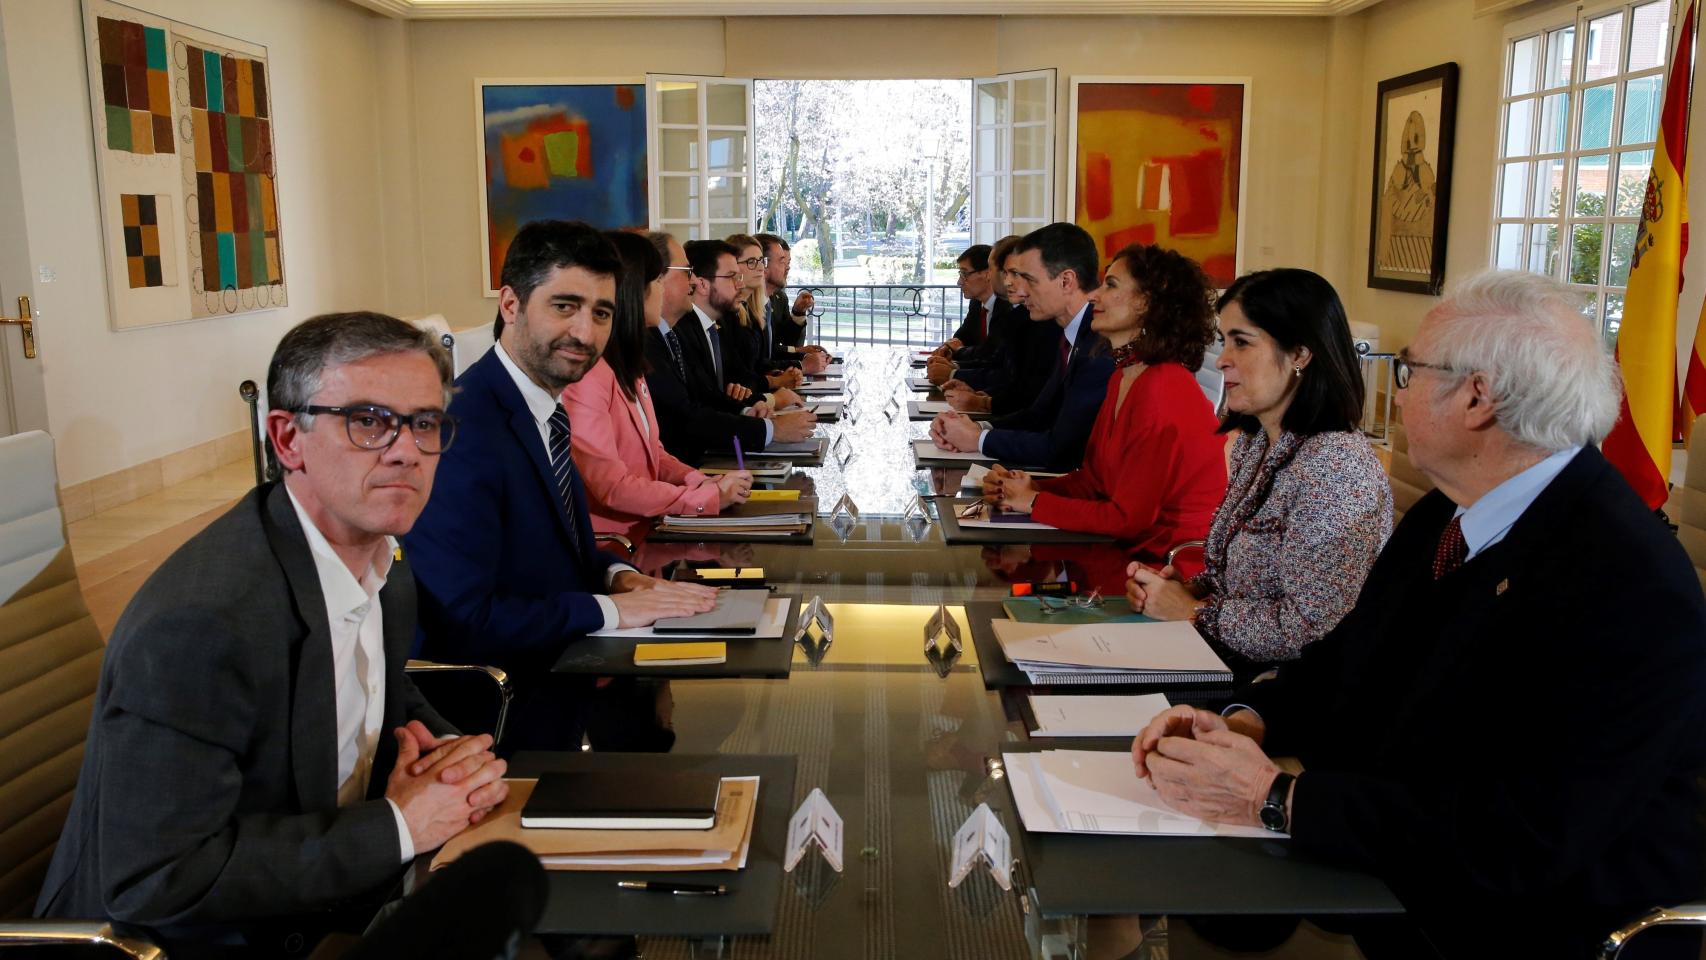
[1112,610]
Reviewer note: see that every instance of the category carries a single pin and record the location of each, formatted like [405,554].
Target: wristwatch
[1273,809]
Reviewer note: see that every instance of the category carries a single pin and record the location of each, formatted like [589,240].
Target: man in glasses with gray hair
[1506,728]
[258,769]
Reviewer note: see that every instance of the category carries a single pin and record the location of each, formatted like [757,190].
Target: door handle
[26,325]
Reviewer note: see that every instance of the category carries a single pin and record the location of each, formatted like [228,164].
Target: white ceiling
[467,9]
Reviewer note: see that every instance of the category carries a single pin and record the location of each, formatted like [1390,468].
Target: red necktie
[982,320]
[1448,556]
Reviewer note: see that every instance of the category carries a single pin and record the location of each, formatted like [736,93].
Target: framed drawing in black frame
[1415,121]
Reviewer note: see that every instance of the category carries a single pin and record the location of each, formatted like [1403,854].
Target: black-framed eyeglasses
[753,263]
[1402,366]
[373,427]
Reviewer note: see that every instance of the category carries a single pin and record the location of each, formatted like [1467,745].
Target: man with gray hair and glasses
[258,769]
[1507,728]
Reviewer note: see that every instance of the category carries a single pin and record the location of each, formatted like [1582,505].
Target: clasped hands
[962,397]
[955,431]
[1159,593]
[442,785]
[1013,490]
[1202,765]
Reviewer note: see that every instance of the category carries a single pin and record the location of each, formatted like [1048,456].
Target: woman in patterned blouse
[1307,507]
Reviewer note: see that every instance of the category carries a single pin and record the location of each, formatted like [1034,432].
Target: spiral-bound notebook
[1158,651]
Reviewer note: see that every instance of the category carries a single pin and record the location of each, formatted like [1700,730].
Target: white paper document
[1098,791]
[920,383]
[1095,716]
[982,840]
[984,523]
[973,480]
[769,627]
[933,406]
[1170,650]
[925,449]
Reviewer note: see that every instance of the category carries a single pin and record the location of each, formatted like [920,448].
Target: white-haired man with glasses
[258,769]
[1507,727]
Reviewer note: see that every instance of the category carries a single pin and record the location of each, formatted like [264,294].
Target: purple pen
[740,459]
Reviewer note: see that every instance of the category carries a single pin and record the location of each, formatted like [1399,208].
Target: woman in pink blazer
[629,478]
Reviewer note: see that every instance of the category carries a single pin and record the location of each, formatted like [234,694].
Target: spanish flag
[1640,443]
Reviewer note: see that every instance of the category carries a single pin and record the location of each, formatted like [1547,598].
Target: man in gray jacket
[258,768]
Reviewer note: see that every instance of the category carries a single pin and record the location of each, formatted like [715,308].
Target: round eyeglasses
[373,427]
[753,263]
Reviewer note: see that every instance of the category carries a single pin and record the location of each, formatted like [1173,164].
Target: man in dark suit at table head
[505,555]
[787,322]
[256,757]
[1507,726]
[1052,269]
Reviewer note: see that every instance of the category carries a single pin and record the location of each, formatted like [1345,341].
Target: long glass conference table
[905,744]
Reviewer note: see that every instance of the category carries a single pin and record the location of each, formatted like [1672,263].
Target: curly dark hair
[1178,325]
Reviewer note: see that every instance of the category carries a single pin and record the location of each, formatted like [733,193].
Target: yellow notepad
[760,496]
[681,654]
[730,573]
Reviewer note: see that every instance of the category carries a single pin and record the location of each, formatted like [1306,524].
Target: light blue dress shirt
[1487,520]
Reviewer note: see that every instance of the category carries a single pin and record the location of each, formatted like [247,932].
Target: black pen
[679,889]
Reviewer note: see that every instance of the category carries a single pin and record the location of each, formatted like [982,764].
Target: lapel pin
[1499,590]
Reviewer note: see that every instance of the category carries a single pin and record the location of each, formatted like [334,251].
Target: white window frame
[1578,16]
[682,227]
[1000,222]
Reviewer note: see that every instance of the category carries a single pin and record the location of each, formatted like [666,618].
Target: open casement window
[701,149]
[1012,154]
[1579,115]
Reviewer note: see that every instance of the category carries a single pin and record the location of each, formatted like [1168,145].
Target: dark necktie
[1065,355]
[716,353]
[1452,549]
[563,467]
[674,344]
[982,316]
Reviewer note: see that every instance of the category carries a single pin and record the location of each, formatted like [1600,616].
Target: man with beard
[504,554]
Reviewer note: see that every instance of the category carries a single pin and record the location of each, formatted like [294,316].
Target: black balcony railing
[914,314]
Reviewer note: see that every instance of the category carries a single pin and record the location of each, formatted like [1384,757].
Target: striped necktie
[674,344]
[563,468]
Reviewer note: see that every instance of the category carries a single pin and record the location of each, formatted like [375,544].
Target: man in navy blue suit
[504,554]
[1053,270]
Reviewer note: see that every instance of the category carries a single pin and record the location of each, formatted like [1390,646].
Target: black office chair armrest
[75,933]
[1687,914]
[495,677]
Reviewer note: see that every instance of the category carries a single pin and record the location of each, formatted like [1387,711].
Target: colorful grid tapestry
[234,186]
[135,88]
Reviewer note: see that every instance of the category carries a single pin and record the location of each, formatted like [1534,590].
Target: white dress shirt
[1071,347]
[357,626]
[542,405]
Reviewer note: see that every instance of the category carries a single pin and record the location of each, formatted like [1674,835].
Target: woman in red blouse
[1155,468]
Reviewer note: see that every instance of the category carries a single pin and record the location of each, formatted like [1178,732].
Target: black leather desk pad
[952,532]
[588,903]
[748,657]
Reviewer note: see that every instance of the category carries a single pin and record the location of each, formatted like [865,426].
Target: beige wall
[119,399]
[1400,36]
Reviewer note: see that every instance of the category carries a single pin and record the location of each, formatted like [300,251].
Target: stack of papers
[723,847]
[1000,519]
[1098,791]
[1154,652]
[756,517]
[1094,716]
